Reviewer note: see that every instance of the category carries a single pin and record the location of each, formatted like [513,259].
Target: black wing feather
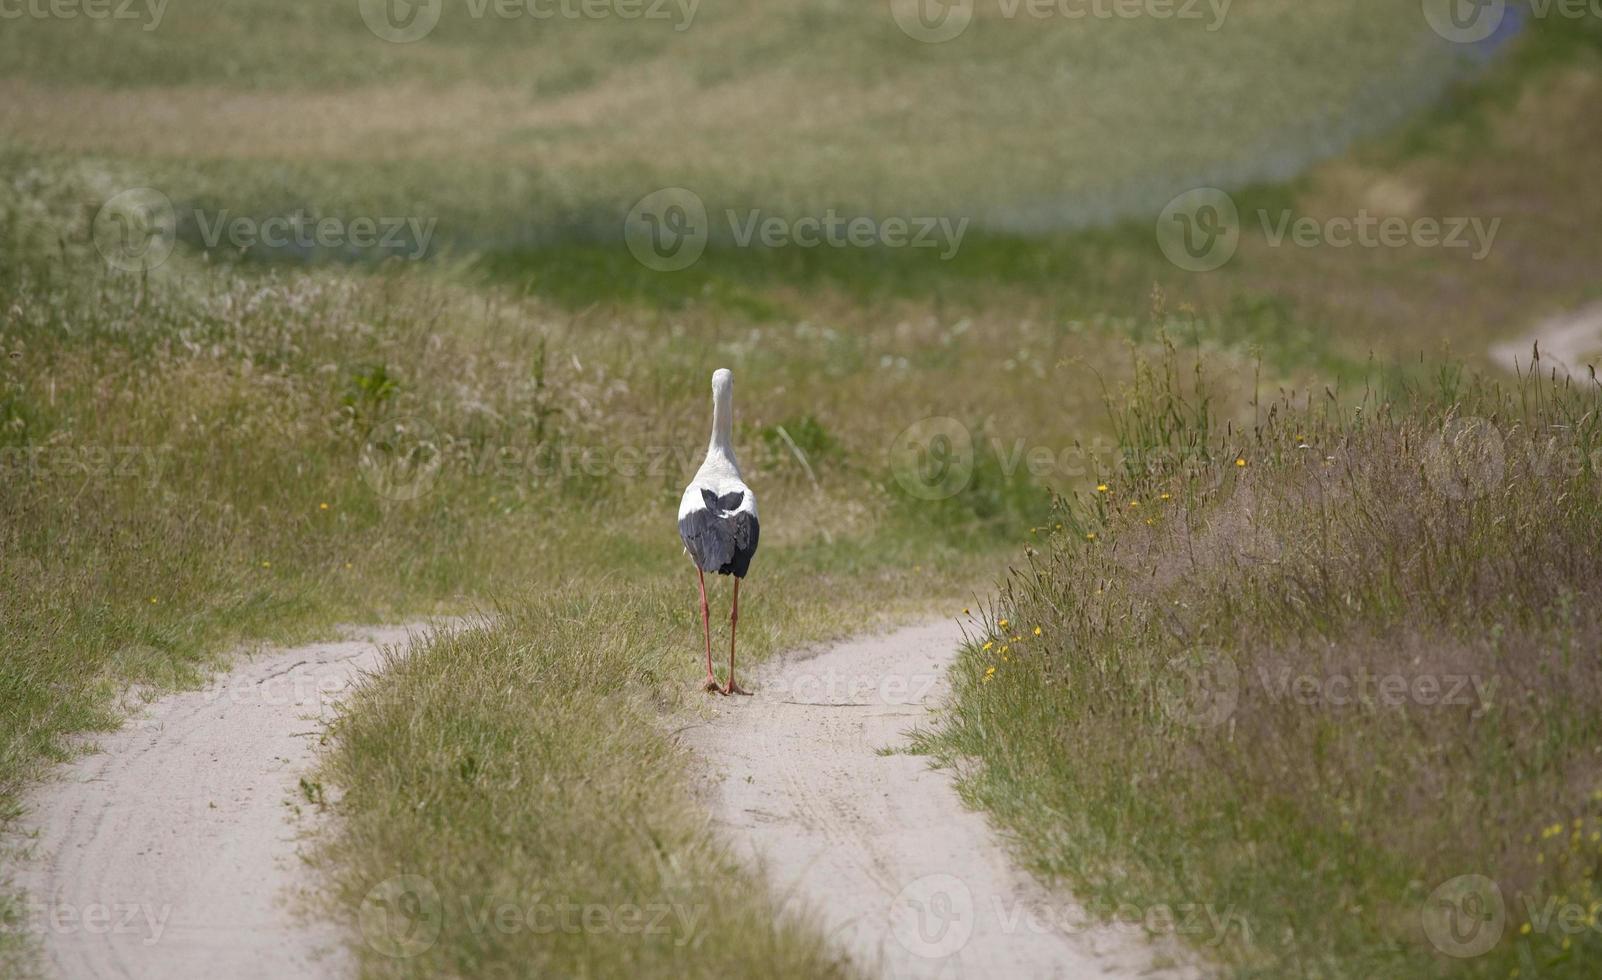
[707,538]
[719,541]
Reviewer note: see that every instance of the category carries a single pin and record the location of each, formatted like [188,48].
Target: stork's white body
[718,520]
[718,513]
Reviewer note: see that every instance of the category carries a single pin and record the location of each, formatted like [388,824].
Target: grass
[1312,669]
[523,770]
[213,455]
[493,126]
[250,445]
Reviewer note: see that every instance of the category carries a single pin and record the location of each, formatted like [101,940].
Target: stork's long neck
[722,424]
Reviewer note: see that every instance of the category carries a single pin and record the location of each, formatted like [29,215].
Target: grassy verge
[1330,676]
[212,455]
[505,780]
[231,450]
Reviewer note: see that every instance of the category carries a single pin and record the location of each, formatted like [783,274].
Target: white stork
[718,520]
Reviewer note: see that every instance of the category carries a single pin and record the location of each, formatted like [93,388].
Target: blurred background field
[254,386]
[524,130]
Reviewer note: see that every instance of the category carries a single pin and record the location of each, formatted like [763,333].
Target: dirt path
[172,851]
[1568,343]
[879,846]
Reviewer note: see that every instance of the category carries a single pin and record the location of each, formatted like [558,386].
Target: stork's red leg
[706,630]
[734,617]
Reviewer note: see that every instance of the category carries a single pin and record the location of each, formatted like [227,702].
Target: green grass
[1309,669]
[525,130]
[189,456]
[214,455]
[525,768]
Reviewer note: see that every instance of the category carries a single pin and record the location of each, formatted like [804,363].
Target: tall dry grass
[1312,670]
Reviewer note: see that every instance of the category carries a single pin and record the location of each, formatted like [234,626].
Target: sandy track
[1568,343]
[907,881]
[172,852]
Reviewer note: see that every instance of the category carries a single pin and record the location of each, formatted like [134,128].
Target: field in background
[255,445]
[521,131]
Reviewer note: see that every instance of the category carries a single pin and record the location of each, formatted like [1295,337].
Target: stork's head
[722,384]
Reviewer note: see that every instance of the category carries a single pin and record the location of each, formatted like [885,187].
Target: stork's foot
[733,688]
[711,686]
